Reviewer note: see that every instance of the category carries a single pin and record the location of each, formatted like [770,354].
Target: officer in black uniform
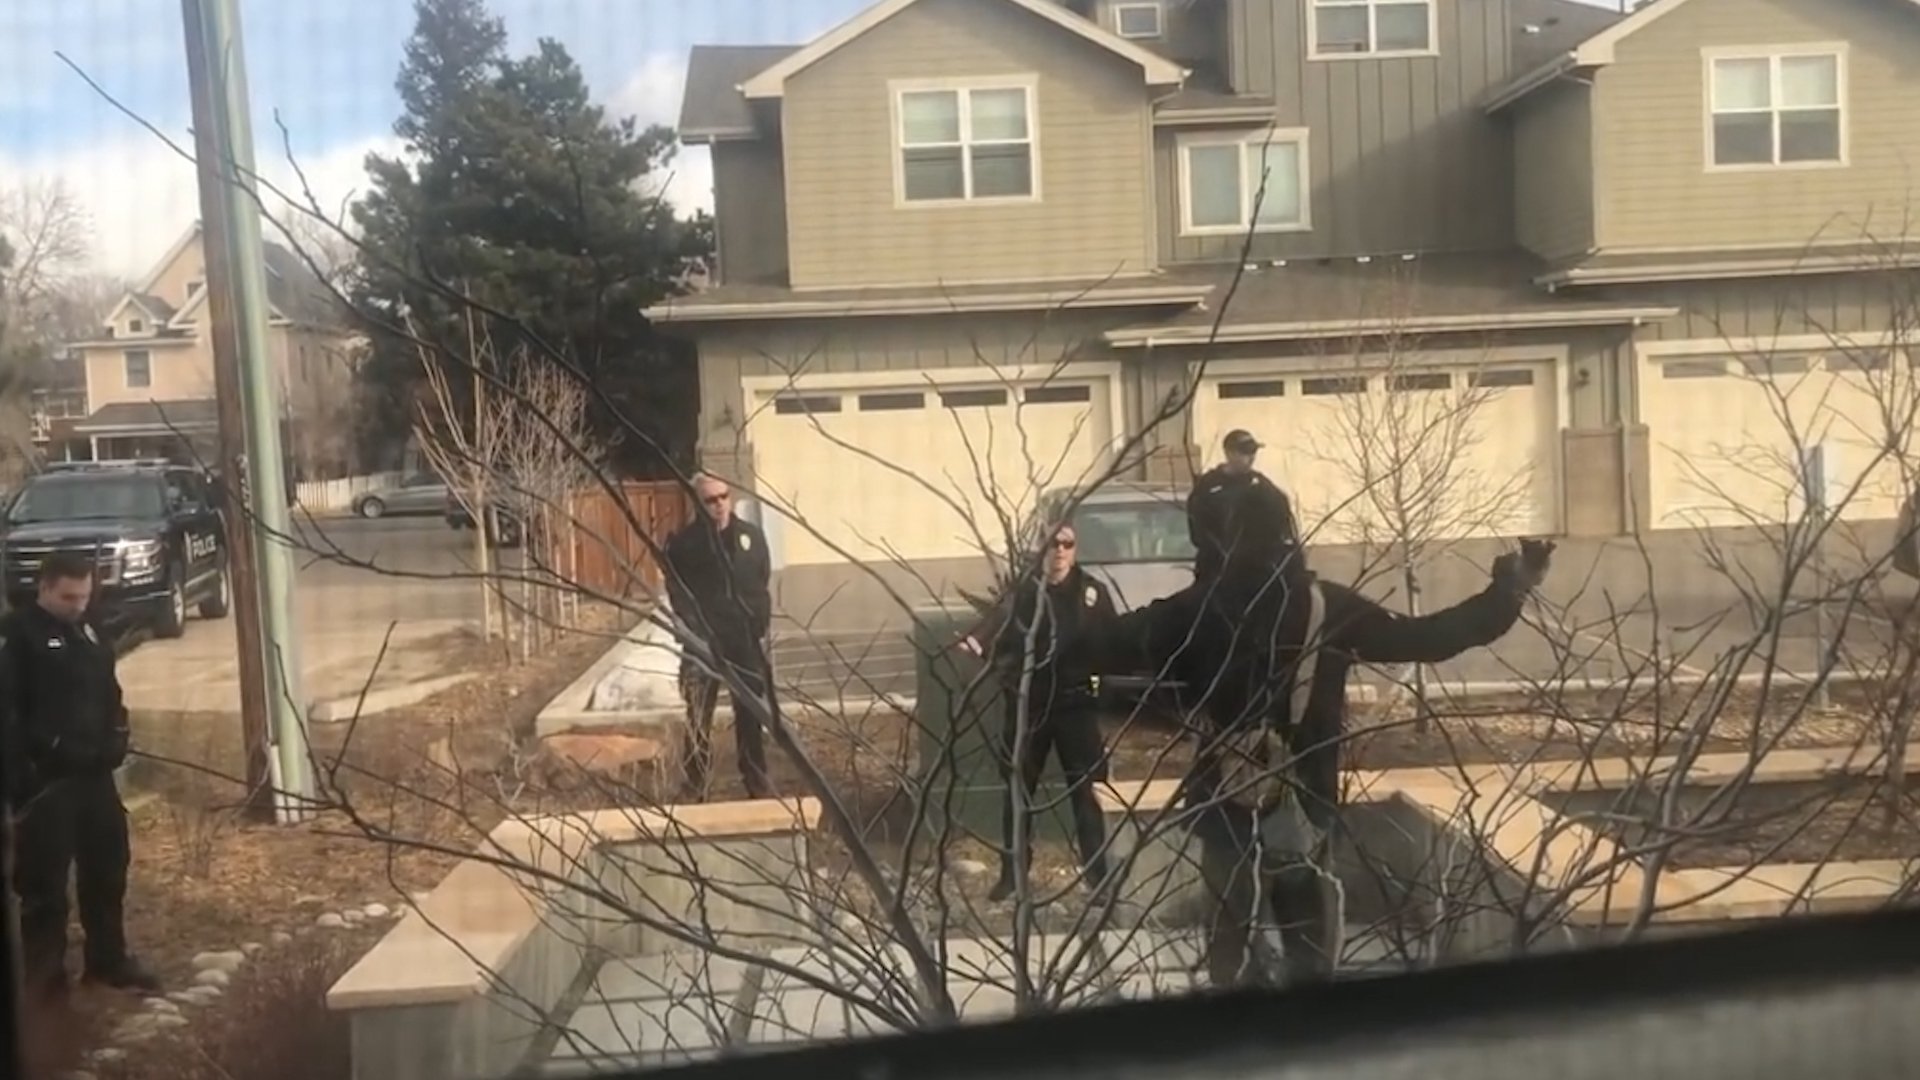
[719,579]
[1062,697]
[69,734]
[1235,514]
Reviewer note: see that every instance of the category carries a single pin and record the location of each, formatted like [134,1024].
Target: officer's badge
[87,629]
[55,643]
[746,542]
[1093,595]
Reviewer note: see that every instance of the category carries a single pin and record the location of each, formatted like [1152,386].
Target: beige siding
[1193,31]
[1653,111]
[1553,171]
[176,279]
[180,373]
[844,227]
[750,206]
[1763,308]
[1401,156]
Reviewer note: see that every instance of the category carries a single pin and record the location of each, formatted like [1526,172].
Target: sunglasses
[1065,545]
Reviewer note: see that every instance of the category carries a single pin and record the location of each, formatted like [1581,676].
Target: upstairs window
[967,144]
[1372,27]
[139,369]
[1229,184]
[1139,22]
[1781,109]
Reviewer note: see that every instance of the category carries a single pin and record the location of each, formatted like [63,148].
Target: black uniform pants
[74,825]
[1070,730]
[700,689]
[1257,867]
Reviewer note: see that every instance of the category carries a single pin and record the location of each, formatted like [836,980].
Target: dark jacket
[720,580]
[1237,655]
[1238,518]
[1063,670]
[67,714]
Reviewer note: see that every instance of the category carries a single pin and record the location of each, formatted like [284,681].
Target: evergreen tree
[516,190]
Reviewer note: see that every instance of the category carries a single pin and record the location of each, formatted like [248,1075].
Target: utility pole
[273,700]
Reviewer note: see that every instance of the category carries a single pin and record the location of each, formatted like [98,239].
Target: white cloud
[651,95]
[140,195]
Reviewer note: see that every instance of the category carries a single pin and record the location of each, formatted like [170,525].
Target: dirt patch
[1839,821]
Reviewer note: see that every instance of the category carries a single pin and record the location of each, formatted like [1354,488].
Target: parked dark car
[154,530]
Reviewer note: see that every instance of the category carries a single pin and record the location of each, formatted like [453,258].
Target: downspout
[1629,518]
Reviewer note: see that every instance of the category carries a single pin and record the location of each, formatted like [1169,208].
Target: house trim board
[1151,337]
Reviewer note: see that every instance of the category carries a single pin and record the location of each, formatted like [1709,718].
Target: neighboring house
[972,246]
[150,372]
[56,406]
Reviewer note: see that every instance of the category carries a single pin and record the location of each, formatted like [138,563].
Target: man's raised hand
[1524,570]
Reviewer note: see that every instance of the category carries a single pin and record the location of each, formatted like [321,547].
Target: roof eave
[1305,331]
[1155,296]
[1551,71]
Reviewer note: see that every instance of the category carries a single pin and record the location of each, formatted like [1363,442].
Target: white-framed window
[971,143]
[1140,21]
[1372,27]
[1232,182]
[1768,109]
[139,369]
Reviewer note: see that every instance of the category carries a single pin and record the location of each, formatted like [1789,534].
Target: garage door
[1441,452]
[1727,433]
[967,452]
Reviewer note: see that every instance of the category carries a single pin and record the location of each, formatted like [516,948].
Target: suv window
[1152,530]
[82,498]
[184,488]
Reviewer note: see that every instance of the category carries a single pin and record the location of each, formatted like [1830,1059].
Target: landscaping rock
[136,1028]
[611,756]
[185,997]
[330,921]
[353,916]
[376,911]
[281,937]
[169,1020]
[107,1055]
[229,961]
[212,977]
[205,995]
[161,1005]
[969,867]
[252,949]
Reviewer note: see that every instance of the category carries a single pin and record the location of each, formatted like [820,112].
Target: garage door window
[1057,395]
[1502,378]
[1253,388]
[892,402]
[1339,385]
[1852,363]
[973,399]
[795,406]
[1426,380]
[1693,369]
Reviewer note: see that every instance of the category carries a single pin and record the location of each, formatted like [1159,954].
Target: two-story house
[150,372]
[969,249]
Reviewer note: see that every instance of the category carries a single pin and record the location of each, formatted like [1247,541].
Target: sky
[321,76]
[325,72]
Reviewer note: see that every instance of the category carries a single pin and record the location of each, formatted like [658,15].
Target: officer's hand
[1524,570]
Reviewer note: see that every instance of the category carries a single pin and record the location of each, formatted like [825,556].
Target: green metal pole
[266,477]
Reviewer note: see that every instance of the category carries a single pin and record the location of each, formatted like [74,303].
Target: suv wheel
[371,507]
[220,602]
[173,618]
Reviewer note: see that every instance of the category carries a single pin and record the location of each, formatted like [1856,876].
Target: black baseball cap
[1239,441]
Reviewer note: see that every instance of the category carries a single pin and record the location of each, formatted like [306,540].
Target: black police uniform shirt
[1238,517]
[67,707]
[724,575]
[1062,669]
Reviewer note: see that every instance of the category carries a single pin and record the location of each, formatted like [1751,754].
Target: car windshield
[1151,530]
[80,498]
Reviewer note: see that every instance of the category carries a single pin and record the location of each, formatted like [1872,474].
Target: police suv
[154,530]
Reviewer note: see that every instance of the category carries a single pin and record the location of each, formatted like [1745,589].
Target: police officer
[1235,514]
[1057,615]
[719,578]
[69,735]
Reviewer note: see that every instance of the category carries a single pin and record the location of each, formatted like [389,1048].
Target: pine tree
[516,190]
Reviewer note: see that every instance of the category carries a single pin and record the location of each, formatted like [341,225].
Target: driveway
[354,579]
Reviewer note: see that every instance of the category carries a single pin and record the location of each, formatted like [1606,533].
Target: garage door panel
[1730,434]
[1433,452]
[919,472]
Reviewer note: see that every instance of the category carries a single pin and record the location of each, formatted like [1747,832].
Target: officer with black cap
[1236,516]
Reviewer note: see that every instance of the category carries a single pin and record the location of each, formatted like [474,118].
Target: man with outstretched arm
[719,579]
[1269,671]
[69,733]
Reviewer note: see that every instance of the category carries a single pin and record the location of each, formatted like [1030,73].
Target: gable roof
[713,107]
[294,292]
[1545,29]
[1594,50]
[771,83]
[155,308]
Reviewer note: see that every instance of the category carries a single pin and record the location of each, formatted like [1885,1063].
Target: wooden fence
[609,558]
